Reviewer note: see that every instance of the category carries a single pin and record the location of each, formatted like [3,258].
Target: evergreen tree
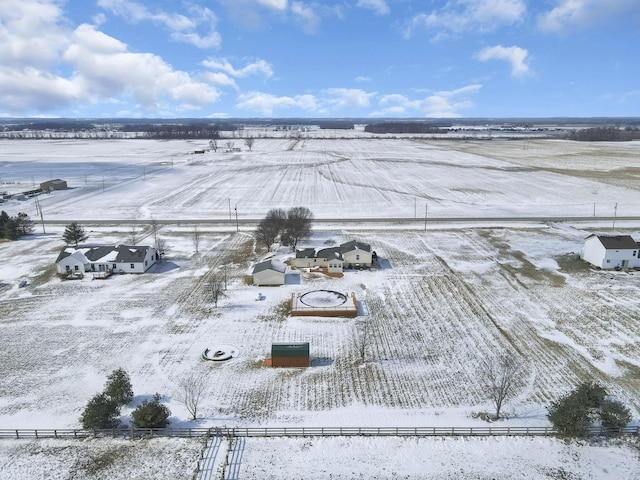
[74,234]
[101,412]
[151,414]
[24,225]
[118,387]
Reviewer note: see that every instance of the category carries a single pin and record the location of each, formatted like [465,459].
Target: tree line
[605,134]
[14,227]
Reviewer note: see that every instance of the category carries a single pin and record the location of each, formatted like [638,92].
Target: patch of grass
[97,463]
[44,276]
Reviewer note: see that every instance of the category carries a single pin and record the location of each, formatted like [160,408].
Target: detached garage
[269,273]
[290,354]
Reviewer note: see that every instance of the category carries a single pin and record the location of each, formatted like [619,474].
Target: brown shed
[290,354]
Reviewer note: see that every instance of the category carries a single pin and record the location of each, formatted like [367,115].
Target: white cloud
[583,13]
[219,79]
[348,97]
[459,16]
[442,104]
[275,4]
[516,56]
[307,16]
[265,103]
[362,79]
[255,68]
[379,7]
[31,34]
[183,29]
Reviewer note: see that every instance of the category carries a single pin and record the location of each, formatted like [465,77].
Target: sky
[329,58]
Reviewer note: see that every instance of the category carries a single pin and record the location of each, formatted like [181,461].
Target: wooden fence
[481,431]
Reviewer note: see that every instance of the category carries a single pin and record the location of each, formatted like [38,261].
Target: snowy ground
[443,300]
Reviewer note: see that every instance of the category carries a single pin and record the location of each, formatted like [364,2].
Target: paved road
[390,220]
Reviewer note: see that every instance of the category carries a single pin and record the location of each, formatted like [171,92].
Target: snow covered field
[443,300]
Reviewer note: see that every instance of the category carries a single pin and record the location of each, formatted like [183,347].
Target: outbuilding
[55,184]
[611,251]
[269,273]
[290,354]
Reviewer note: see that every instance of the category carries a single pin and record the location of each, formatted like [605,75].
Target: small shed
[55,184]
[269,273]
[290,354]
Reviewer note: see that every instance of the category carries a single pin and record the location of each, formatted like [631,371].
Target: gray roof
[355,245]
[270,265]
[108,253]
[306,253]
[333,253]
[617,242]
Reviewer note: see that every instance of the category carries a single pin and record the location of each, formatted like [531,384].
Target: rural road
[397,220]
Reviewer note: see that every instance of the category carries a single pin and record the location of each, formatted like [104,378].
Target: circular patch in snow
[220,353]
[323,298]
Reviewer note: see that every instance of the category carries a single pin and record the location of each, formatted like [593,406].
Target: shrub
[614,415]
[151,414]
[101,412]
[118,387]
[575,413]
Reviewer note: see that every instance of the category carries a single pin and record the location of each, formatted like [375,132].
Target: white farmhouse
[351,254]
[607,252]
[269,273]
[106,258]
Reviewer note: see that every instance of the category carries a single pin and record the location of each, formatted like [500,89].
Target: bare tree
[217,286]
[298,225]
[362,339]
[196,238]
[249,141]
[190,393]
[502,378]
[213,145]
[270,227]
[229,146]
[159,243]
[134,235]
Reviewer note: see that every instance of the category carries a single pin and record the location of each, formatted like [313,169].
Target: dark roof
[110,253]
[270,265]
[618,242]
[306,253]
[332,253]
[355,245]
[297,349]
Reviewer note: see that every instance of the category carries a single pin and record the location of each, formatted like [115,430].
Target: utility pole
[237,227]
[39,210]
[615,213]
[426,211]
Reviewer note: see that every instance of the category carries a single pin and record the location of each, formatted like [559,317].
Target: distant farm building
[290,354]
[55,184]
[106,258]
[351,254]
[269,273]
[609,252]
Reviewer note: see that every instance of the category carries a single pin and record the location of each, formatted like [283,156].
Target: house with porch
[106,258]
[353,254]
[611,251]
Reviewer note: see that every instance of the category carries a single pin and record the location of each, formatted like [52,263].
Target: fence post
[36,432]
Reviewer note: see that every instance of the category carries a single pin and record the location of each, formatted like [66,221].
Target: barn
[56,184]
[269,273]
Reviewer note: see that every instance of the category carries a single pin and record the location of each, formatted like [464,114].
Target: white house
[269,273]
[351,254]
[617,251]
[103,258]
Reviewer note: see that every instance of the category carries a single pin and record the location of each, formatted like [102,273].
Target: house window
[608,261]
[634,253]
[357,257]
[145,263]
[75,268]
[114,266]
[132,266]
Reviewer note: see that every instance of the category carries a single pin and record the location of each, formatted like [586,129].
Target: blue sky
[330,58]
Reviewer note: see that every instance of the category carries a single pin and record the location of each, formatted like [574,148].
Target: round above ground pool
[323,298]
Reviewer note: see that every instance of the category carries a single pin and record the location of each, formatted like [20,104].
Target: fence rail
[479,431]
